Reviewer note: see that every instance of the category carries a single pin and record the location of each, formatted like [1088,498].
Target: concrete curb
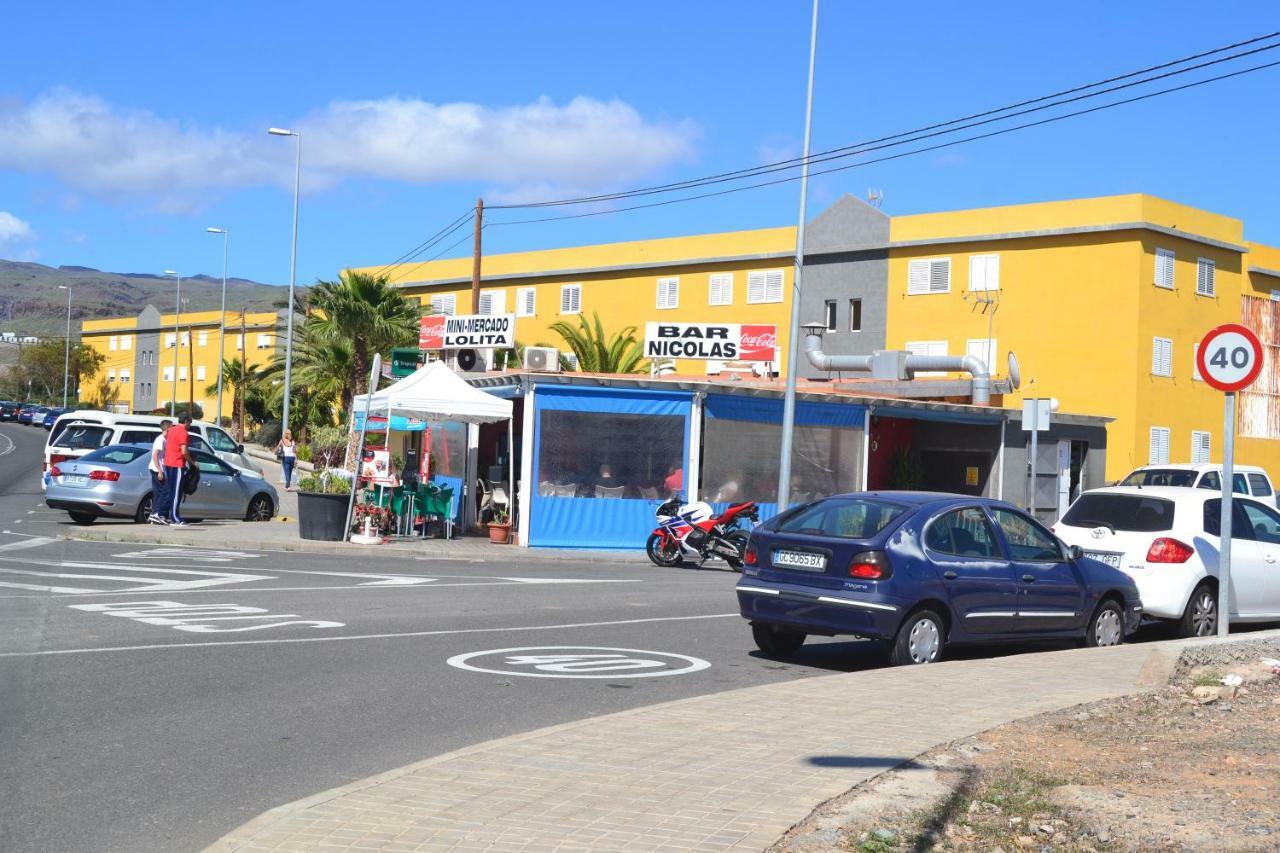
[1163,660]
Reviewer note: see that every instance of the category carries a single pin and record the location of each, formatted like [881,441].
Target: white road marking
[316,588]
[571,662]
[355,637]
[203,555]
[195,617]
[149,584]
[34,542]
[389,580]
[9,445]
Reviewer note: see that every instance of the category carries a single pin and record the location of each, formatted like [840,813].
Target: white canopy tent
[434,392]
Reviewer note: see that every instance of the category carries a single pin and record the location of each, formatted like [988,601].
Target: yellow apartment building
[147,362]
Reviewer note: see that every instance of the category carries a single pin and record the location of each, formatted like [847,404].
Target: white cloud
[93,146]
[13,229]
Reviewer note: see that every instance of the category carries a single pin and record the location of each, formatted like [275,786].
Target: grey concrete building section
[146,358]
[1017,450]
[847,258]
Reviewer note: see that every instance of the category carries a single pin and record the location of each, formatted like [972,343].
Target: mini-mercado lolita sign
[467,331]
[711,341]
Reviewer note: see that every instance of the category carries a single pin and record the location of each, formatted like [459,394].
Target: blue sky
[126,129]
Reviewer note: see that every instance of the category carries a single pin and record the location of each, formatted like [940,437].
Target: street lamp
[66,356]
[222,321]
[293,272]
[177,315]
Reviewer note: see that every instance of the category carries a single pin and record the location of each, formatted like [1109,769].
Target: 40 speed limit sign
[1230,357]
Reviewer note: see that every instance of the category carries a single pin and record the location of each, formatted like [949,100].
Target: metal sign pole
[1228,478]
[1035,452]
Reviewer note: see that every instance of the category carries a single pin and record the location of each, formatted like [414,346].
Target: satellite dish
[1015,372]
[467,359]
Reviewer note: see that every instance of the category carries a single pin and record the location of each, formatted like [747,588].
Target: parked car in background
[9,410]
[1167,538]
[28,415]
[925,570]
[114,481]
[51,416]
[1245,479]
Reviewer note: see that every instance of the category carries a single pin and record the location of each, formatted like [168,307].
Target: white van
[76,433]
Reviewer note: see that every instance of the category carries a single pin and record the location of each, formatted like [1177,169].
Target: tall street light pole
[177,338]
[66,356]
[222,317]
[293,273]
[793,357]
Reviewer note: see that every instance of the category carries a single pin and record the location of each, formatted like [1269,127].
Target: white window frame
[185,337]
[852,314]
[239,343]
[1166,265]
[444,303]
[170,340]
[526,301]
[1211,289]
[768,286]
[182,373]
[493,302]
[570,299]
[984,272]
[668,293]
[1158,446]
[1161,356]
[166,373]
[984,348]
[200,373]
[202,339]
[113,343]
[264,341]
[1195,363]
[921,276]
[927,348]
[720,288]
[126,342]
[111,374]
[1201,446]
[124,374]
[830,313]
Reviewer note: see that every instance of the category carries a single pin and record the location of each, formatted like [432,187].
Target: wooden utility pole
[475,259]
[240,386]
[191,372]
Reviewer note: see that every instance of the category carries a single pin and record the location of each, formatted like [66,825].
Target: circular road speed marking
[578,662]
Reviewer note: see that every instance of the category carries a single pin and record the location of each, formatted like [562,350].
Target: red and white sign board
[711,341]
[467,331]
[1230,357]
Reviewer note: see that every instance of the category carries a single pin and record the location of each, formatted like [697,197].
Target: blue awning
[769,410]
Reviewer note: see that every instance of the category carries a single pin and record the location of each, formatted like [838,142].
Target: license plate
[75,479]
[1112,560]
[803,560]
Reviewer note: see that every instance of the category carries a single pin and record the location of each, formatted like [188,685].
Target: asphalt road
[128,725]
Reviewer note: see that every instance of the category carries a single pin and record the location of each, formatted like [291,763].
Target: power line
[922,150]
[906,137]
[424,246]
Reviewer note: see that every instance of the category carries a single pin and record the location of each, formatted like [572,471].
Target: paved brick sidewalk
[729,770]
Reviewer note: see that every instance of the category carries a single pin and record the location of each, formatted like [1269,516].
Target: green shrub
[325,484]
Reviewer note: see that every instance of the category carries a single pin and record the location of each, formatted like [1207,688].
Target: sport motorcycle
[695,532]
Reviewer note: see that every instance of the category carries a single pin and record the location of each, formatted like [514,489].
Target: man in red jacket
[177,454]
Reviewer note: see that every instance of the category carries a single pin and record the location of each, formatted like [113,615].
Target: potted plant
[380,517]
[500,528]
[322,506]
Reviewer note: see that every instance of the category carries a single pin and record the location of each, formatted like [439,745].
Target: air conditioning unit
[473,360]
[543,359]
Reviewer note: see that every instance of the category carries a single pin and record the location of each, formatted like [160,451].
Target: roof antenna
[875,197]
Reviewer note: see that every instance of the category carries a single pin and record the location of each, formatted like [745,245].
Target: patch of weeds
[1208,678]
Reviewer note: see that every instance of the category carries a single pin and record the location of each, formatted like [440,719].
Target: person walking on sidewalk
[287,453]
[177,455]
[159,486]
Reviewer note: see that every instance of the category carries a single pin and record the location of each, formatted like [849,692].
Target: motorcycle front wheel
[738,538]
[662,551]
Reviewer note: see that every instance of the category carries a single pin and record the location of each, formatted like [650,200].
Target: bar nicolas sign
[711,341]
[467,331]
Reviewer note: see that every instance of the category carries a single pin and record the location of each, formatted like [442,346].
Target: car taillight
[55,471]
[1166,550]
[110,476]
[55,458]
[750,557]
[870,565]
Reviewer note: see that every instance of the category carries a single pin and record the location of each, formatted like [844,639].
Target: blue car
[51,416]
[29,413]
[924,570]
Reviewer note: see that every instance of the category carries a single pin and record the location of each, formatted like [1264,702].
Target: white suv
[1247,479]
[1167,540]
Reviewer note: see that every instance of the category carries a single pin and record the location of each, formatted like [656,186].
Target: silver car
[114,482]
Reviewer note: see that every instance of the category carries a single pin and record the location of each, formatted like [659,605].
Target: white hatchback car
[1248,479]
[1167,540]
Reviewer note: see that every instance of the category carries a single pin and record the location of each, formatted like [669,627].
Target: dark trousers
[159,495]
[287,462]
[173,500]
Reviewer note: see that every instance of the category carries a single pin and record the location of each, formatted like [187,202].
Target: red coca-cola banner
[757,343]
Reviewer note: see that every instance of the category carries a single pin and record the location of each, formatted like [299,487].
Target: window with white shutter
[928,348]
[526,301]
[984,272]
[111,374]
[493,302]
[200,373]
[126,342]
[113,343]
[444,303]
[983,348]
[124,374]
[721,289]
[167,375]
[570,299]
[1161,357]
[668,293]
[186,339]
[1159,446]
[169,340]
[239,342]
[264,342]
[182,374]
[932,275]
[1164,268]
[1200,445]
[1205,284]
[764,286]
[202,339]
[1195,363]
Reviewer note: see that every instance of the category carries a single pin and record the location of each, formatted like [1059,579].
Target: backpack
[190,480]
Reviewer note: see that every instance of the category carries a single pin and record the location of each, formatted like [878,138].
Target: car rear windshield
[118,453]
[1121,512]
[1160,477]
[83,437]
[847,518]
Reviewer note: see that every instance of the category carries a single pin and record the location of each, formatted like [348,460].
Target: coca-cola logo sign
[711,341]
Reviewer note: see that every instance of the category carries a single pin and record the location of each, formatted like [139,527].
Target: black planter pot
[321,516]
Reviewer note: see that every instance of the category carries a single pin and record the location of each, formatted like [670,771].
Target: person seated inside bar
[606,478]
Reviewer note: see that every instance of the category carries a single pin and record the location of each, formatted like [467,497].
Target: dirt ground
[1192,767]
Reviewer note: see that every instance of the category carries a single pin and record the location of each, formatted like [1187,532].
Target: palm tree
[365,312]
[242,380]
[620,354]
[322,368]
